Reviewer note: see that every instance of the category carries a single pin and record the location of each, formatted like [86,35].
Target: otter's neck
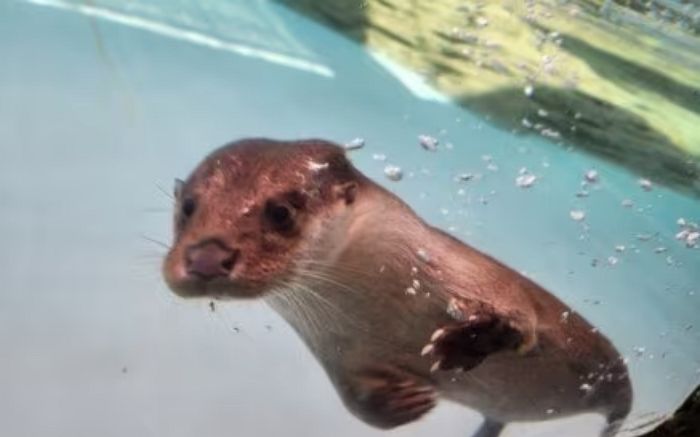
[386,231]
[386,277]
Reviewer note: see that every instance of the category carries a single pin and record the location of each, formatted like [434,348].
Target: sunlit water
[97,114]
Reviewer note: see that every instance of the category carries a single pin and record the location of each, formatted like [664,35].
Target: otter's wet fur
[399,313]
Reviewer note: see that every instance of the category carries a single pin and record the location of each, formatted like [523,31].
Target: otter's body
[398,313]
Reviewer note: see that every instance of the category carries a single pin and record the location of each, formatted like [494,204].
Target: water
[100,110]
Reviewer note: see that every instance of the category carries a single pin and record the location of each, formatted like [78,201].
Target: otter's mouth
[219,289]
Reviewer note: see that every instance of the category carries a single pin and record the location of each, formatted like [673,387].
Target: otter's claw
[465,345]
[387,398]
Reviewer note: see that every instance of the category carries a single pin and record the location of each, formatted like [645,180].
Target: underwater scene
[552,144]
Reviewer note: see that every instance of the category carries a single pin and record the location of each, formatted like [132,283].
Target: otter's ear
[346,191]
[177,188]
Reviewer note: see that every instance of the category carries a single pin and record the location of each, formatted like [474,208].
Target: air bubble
[393,173]
[577,215]
[428,143]
[645,184]
[355,144]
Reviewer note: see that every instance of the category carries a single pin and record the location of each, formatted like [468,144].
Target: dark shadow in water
[685,422]
[595,126]
[347,16]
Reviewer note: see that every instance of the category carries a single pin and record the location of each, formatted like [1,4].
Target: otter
[398,313]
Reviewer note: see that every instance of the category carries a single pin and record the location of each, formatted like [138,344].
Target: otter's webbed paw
[387,398]
[464,345]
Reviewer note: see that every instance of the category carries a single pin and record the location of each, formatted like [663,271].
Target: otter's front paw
[464,345]
[387,398]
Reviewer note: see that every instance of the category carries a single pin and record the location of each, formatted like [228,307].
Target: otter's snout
[210,259]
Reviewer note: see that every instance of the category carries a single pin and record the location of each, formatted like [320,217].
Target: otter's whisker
[336,313]
[156,242]
[299,307]
[165,192]
[156,210]
[331,312]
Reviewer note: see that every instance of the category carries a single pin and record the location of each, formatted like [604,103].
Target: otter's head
[252,211]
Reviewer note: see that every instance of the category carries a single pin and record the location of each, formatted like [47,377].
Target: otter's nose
[210,259]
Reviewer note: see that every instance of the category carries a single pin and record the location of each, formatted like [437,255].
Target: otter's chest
[352,327]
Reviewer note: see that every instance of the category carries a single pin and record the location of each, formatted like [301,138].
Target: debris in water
[586,387]
[379,157]
[612,260]
[411,291]
[393,173]
[639,350]
[465,177]
[577,215]
[645,184]
[620,248]
[428,143]
[627,203]
[492,167]
[355,144]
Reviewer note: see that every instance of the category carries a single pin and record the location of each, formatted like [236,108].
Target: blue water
[96,115]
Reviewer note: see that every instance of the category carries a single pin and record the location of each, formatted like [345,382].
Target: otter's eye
[188,207]
[279,216]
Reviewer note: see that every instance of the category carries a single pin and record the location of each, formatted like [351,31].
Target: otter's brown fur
[398,312]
